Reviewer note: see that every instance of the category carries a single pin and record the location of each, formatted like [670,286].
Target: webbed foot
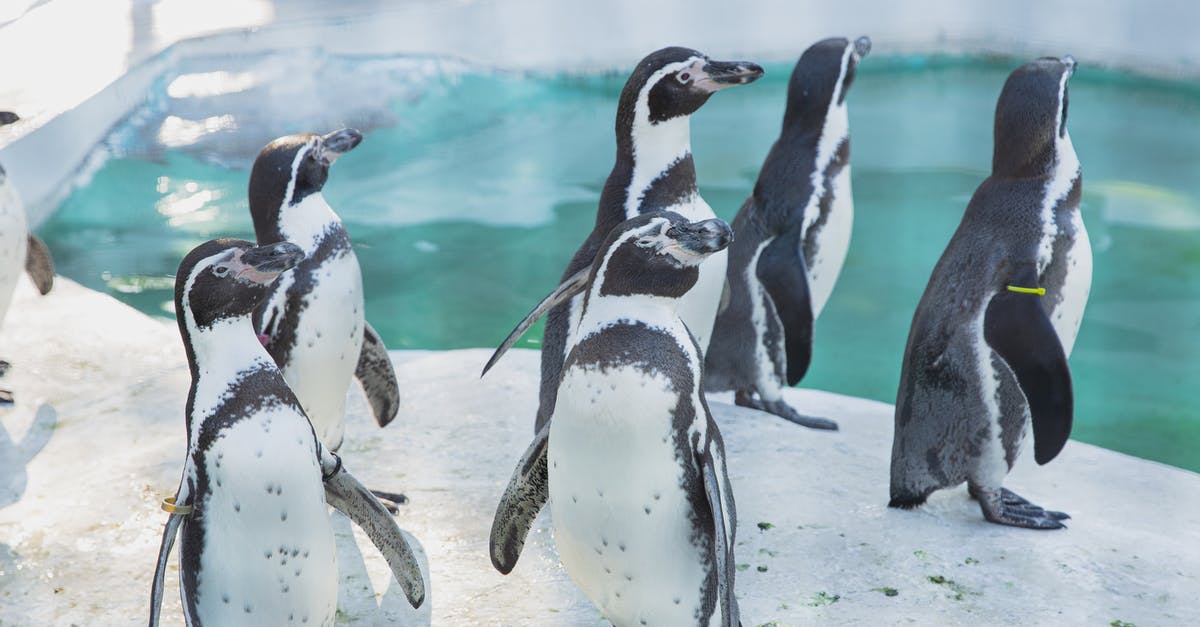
[1006,507]
[783,410]
[390,500]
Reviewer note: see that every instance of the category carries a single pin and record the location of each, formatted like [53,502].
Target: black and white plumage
[314,321]
[986,357]
[653,171]
[257,545]
[20,250]
[793,234]
[632,463]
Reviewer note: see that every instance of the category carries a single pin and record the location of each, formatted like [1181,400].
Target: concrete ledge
[79,522]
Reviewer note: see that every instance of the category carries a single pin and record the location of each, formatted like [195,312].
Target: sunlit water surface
[473,188]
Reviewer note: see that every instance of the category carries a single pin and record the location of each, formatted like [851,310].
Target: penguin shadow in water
[358,603]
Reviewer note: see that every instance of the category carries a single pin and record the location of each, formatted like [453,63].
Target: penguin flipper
[712,469]
[345,493]
[527,493]
[164,552]
[39,264]
[568,288]
[783,273]
[378,377]
[1017,328]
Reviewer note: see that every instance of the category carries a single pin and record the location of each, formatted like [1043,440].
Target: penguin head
[674,82]
[822,77]
[1031,118]
[224,279]
[290,169]
[656,254]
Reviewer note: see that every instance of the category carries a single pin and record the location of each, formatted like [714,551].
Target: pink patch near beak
[263,338]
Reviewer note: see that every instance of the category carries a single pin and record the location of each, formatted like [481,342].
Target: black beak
[702,238]
[722,74]
[273,258]
[339,143]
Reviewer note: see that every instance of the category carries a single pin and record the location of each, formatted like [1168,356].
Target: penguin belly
[329,338]
[13,243]
[1077,285]
[622,520]
[833,242]
[263,541]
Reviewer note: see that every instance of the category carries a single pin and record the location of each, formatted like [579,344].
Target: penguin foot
[390,500]
[1006,507]
[4,366]
[6,397]
[783,410]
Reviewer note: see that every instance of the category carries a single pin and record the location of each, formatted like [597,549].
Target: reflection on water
[472,190]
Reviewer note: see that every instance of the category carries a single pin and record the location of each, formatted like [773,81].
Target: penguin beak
[717,75]
[338,143]
[702,238]
[862,46]
[264,264]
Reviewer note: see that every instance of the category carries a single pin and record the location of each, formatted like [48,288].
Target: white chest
[1068,313]
[266,514]
[329,334]
[833,242]
[621,519]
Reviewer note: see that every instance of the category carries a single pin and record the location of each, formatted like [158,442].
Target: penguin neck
[224,349]
[650,152]
[602,312]
[305,223]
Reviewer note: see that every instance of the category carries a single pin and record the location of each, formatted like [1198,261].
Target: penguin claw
[6,397]
[390,500]
[783,410]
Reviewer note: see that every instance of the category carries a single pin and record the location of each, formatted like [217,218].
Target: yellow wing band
[1040,291]
[169,506]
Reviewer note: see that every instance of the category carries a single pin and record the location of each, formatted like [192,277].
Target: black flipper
[570,287]
[712,470]
[783,273]
[39,264]
[526,495]
[1018,329]
[164,552]
[378,377]
[345,493]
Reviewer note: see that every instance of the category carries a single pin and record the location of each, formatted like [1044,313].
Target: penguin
[257,544]
[793,235]
[653,171]
[987,352]
[20,250]
[632,463]
[313,323]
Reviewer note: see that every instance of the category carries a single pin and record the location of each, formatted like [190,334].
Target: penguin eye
[683,77]
[221,271]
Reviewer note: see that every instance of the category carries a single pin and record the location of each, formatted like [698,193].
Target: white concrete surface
[80,525]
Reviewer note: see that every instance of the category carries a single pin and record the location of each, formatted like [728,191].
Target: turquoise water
[471,192]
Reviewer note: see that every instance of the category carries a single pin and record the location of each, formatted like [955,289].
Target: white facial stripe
[836,129]
[202,266]
[291,186]
[656,146]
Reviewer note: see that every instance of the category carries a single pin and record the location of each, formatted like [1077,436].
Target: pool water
[473,188]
